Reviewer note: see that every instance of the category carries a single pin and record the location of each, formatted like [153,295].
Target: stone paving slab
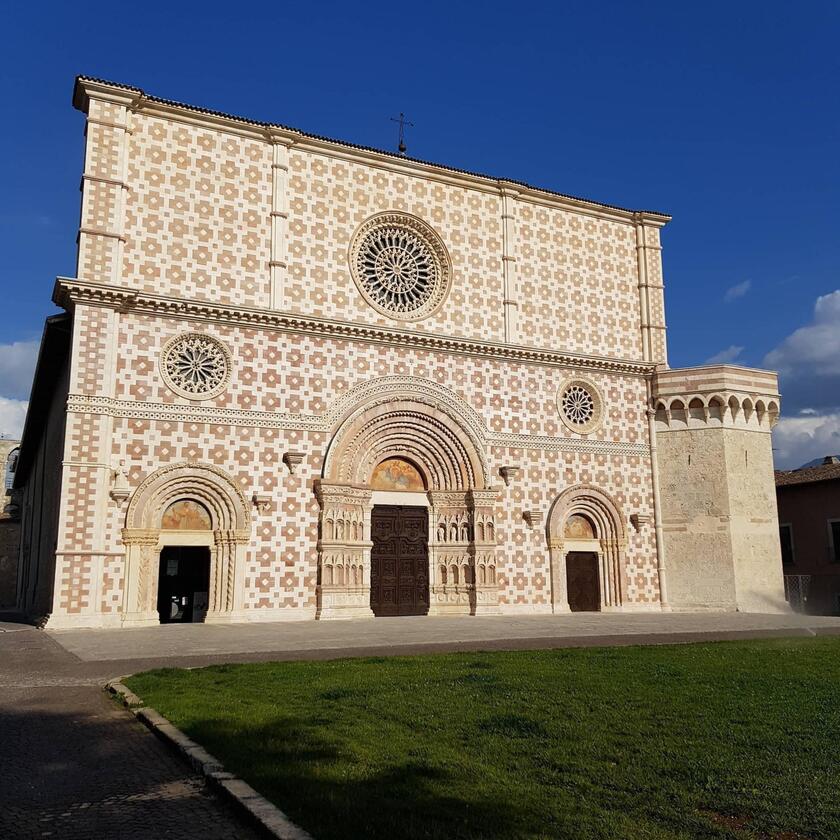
[178,641]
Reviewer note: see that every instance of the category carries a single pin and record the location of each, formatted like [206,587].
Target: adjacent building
[9,525]
[809,529]
[296,378]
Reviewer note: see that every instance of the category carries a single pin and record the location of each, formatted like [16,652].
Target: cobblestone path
[76,766]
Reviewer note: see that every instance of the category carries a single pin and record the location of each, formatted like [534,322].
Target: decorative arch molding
[433,429]
[609,544]
[389,387]
[228,538]
[411,418]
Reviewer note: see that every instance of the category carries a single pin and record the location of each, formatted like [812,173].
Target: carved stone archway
[440,438]
[609,543]
[228,538]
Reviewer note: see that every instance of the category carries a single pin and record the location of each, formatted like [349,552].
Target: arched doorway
[399,531]
[196,515]
[587,540]
[184,567]
[583,585]
[427,457]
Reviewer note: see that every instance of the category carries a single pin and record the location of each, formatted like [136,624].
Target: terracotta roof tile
[807,475]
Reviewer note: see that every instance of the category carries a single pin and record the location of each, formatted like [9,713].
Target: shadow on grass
[316,783]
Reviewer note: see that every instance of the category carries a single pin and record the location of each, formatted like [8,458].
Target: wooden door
[399,560]
[582,581]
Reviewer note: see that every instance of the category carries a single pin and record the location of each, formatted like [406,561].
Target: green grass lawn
[734,739]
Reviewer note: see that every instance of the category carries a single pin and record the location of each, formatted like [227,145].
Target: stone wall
[228,211]
[718,500]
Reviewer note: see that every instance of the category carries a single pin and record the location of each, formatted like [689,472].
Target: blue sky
[723,114]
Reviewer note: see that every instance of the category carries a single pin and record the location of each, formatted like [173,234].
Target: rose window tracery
[579,404]
[400,266]
[196,366]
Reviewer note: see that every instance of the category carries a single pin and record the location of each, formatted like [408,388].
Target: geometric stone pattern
[579,284]
[180,207]
[197,217]
[296,373]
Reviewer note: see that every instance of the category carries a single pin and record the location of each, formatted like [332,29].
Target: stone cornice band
[68,292]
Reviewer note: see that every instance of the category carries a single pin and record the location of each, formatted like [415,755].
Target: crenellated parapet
[715,396]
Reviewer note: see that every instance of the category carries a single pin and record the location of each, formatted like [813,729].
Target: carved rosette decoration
[196,366]
[400,265]
[580,405]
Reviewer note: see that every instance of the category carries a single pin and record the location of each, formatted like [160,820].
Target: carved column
[559,588]
[451,572]
[612,576]
[343,589]
[462,553]
[142,554]
[485,561]
[227,570]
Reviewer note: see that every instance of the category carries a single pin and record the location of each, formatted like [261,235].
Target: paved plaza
[191,644]
[85,768]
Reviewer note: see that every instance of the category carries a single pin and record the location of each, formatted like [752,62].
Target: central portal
[399,560]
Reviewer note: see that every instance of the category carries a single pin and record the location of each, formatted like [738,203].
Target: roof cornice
[69,291]
[135,99]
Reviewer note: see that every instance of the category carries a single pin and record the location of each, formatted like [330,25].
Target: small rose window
[579,404]
[196,366]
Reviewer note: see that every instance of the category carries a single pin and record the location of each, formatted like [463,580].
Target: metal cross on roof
[403,123]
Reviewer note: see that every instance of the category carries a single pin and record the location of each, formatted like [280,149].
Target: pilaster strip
[511,292]
[278,264]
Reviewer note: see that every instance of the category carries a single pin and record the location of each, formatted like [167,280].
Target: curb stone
[256,807]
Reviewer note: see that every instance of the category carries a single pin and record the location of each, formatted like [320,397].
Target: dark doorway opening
[183,584]
[582,581]
[399,560]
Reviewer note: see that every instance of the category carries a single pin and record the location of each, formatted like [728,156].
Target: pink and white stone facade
[196,223]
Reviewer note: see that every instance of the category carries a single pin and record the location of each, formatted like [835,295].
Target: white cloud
[797,440]
[737,291]
[816,345]
[17,365]
[808,360]
[725,356]
[12,415]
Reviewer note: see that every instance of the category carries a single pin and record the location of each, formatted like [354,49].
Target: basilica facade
[298,379]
